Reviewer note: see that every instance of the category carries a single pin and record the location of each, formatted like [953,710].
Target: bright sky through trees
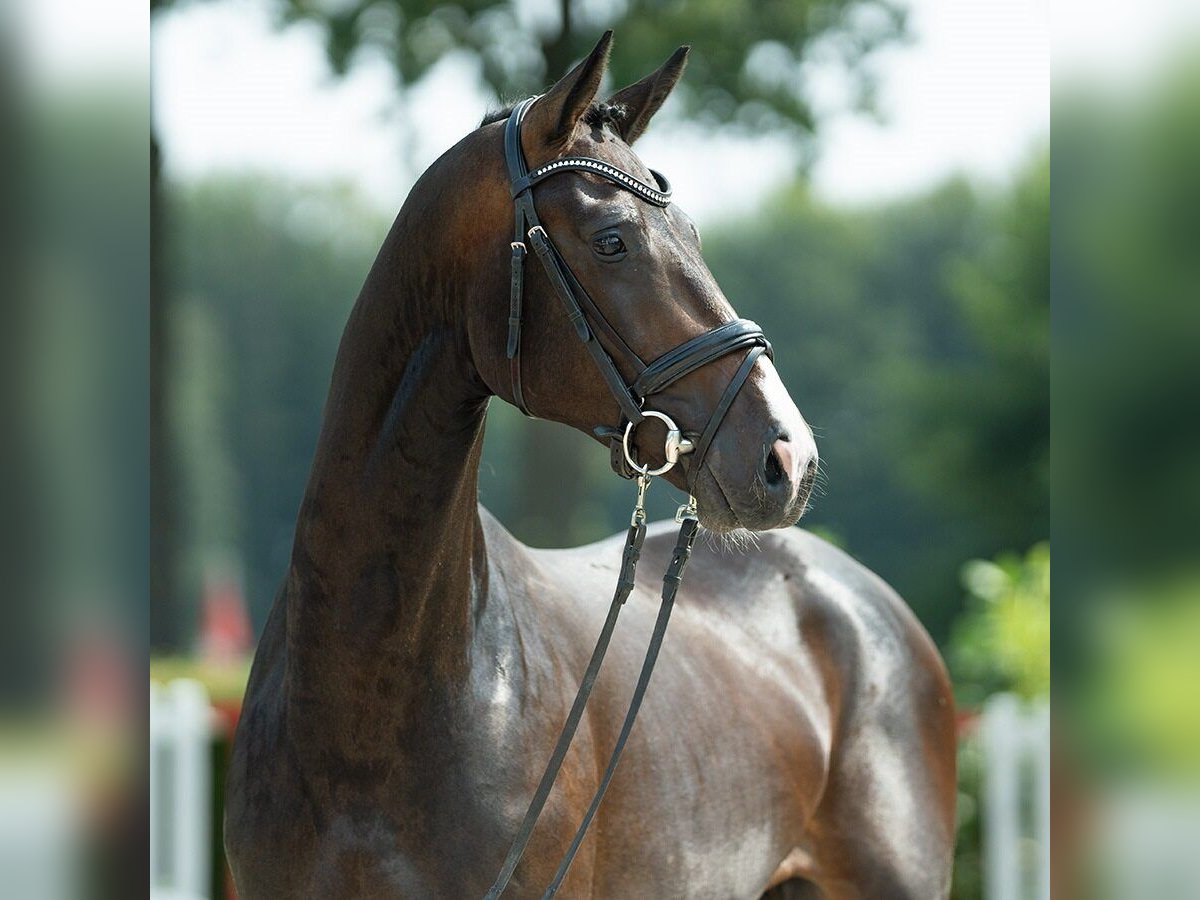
[969,93]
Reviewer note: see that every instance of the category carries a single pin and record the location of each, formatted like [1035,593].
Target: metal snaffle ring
[675,446]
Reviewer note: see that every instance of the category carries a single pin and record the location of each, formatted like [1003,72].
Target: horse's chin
[736,540]
[736,523]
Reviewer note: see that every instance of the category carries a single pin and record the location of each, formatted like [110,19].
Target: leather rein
[661,373]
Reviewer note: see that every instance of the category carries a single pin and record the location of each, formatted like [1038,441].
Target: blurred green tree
[754,70]
[751,70]
[1140,708]
[1127,324]
[266,276]
[978,414]
[1126,297]
[1002,641]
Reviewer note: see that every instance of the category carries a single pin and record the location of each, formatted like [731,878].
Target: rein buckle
[687,510]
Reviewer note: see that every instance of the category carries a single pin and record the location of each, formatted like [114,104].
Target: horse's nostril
[779,467]
[774,471]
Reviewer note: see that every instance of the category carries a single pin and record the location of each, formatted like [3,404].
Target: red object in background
[966,722]
[96,682]
[225,633]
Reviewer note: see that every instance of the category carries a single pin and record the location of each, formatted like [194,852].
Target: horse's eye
[609,245]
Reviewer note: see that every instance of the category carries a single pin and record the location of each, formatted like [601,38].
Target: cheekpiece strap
[554,271]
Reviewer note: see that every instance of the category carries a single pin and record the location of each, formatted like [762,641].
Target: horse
[797,739]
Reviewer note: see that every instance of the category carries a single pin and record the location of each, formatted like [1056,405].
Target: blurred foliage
[224,681]
[1142,713]
[968,846]
[1002,641]
[1127,327]
[266,275]
[1126,627]
[979,432]
[72,447]
[754,71]
[1126,296]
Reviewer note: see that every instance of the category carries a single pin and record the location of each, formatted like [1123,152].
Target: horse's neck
[388,557]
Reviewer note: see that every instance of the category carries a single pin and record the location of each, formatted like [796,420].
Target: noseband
[740,334]
[585,316]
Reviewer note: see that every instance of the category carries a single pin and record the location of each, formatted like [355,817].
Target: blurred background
[872,181]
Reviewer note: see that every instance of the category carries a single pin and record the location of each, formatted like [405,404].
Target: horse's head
[641,266]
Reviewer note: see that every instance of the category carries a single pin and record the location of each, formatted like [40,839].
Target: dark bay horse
[797,739]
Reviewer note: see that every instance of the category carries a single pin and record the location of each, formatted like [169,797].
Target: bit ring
[675,446]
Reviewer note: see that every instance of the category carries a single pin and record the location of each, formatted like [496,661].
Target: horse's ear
[551,120]
[642,99]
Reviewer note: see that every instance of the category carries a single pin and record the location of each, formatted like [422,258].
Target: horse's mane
[598,114]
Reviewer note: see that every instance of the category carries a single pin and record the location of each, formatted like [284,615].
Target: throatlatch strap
[514,323]
[514,156]
[671,582]
[525,217]
[625,582]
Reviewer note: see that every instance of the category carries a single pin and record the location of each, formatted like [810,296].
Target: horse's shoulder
[843,597]
[869,631]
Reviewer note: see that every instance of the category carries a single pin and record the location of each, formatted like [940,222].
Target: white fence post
[42,836]
[1040,743]
[181,731]
[1016,800]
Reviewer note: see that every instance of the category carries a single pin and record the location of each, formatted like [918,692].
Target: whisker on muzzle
[737,540]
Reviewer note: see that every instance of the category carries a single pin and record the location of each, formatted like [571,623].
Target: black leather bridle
[585,316]
[731,337]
